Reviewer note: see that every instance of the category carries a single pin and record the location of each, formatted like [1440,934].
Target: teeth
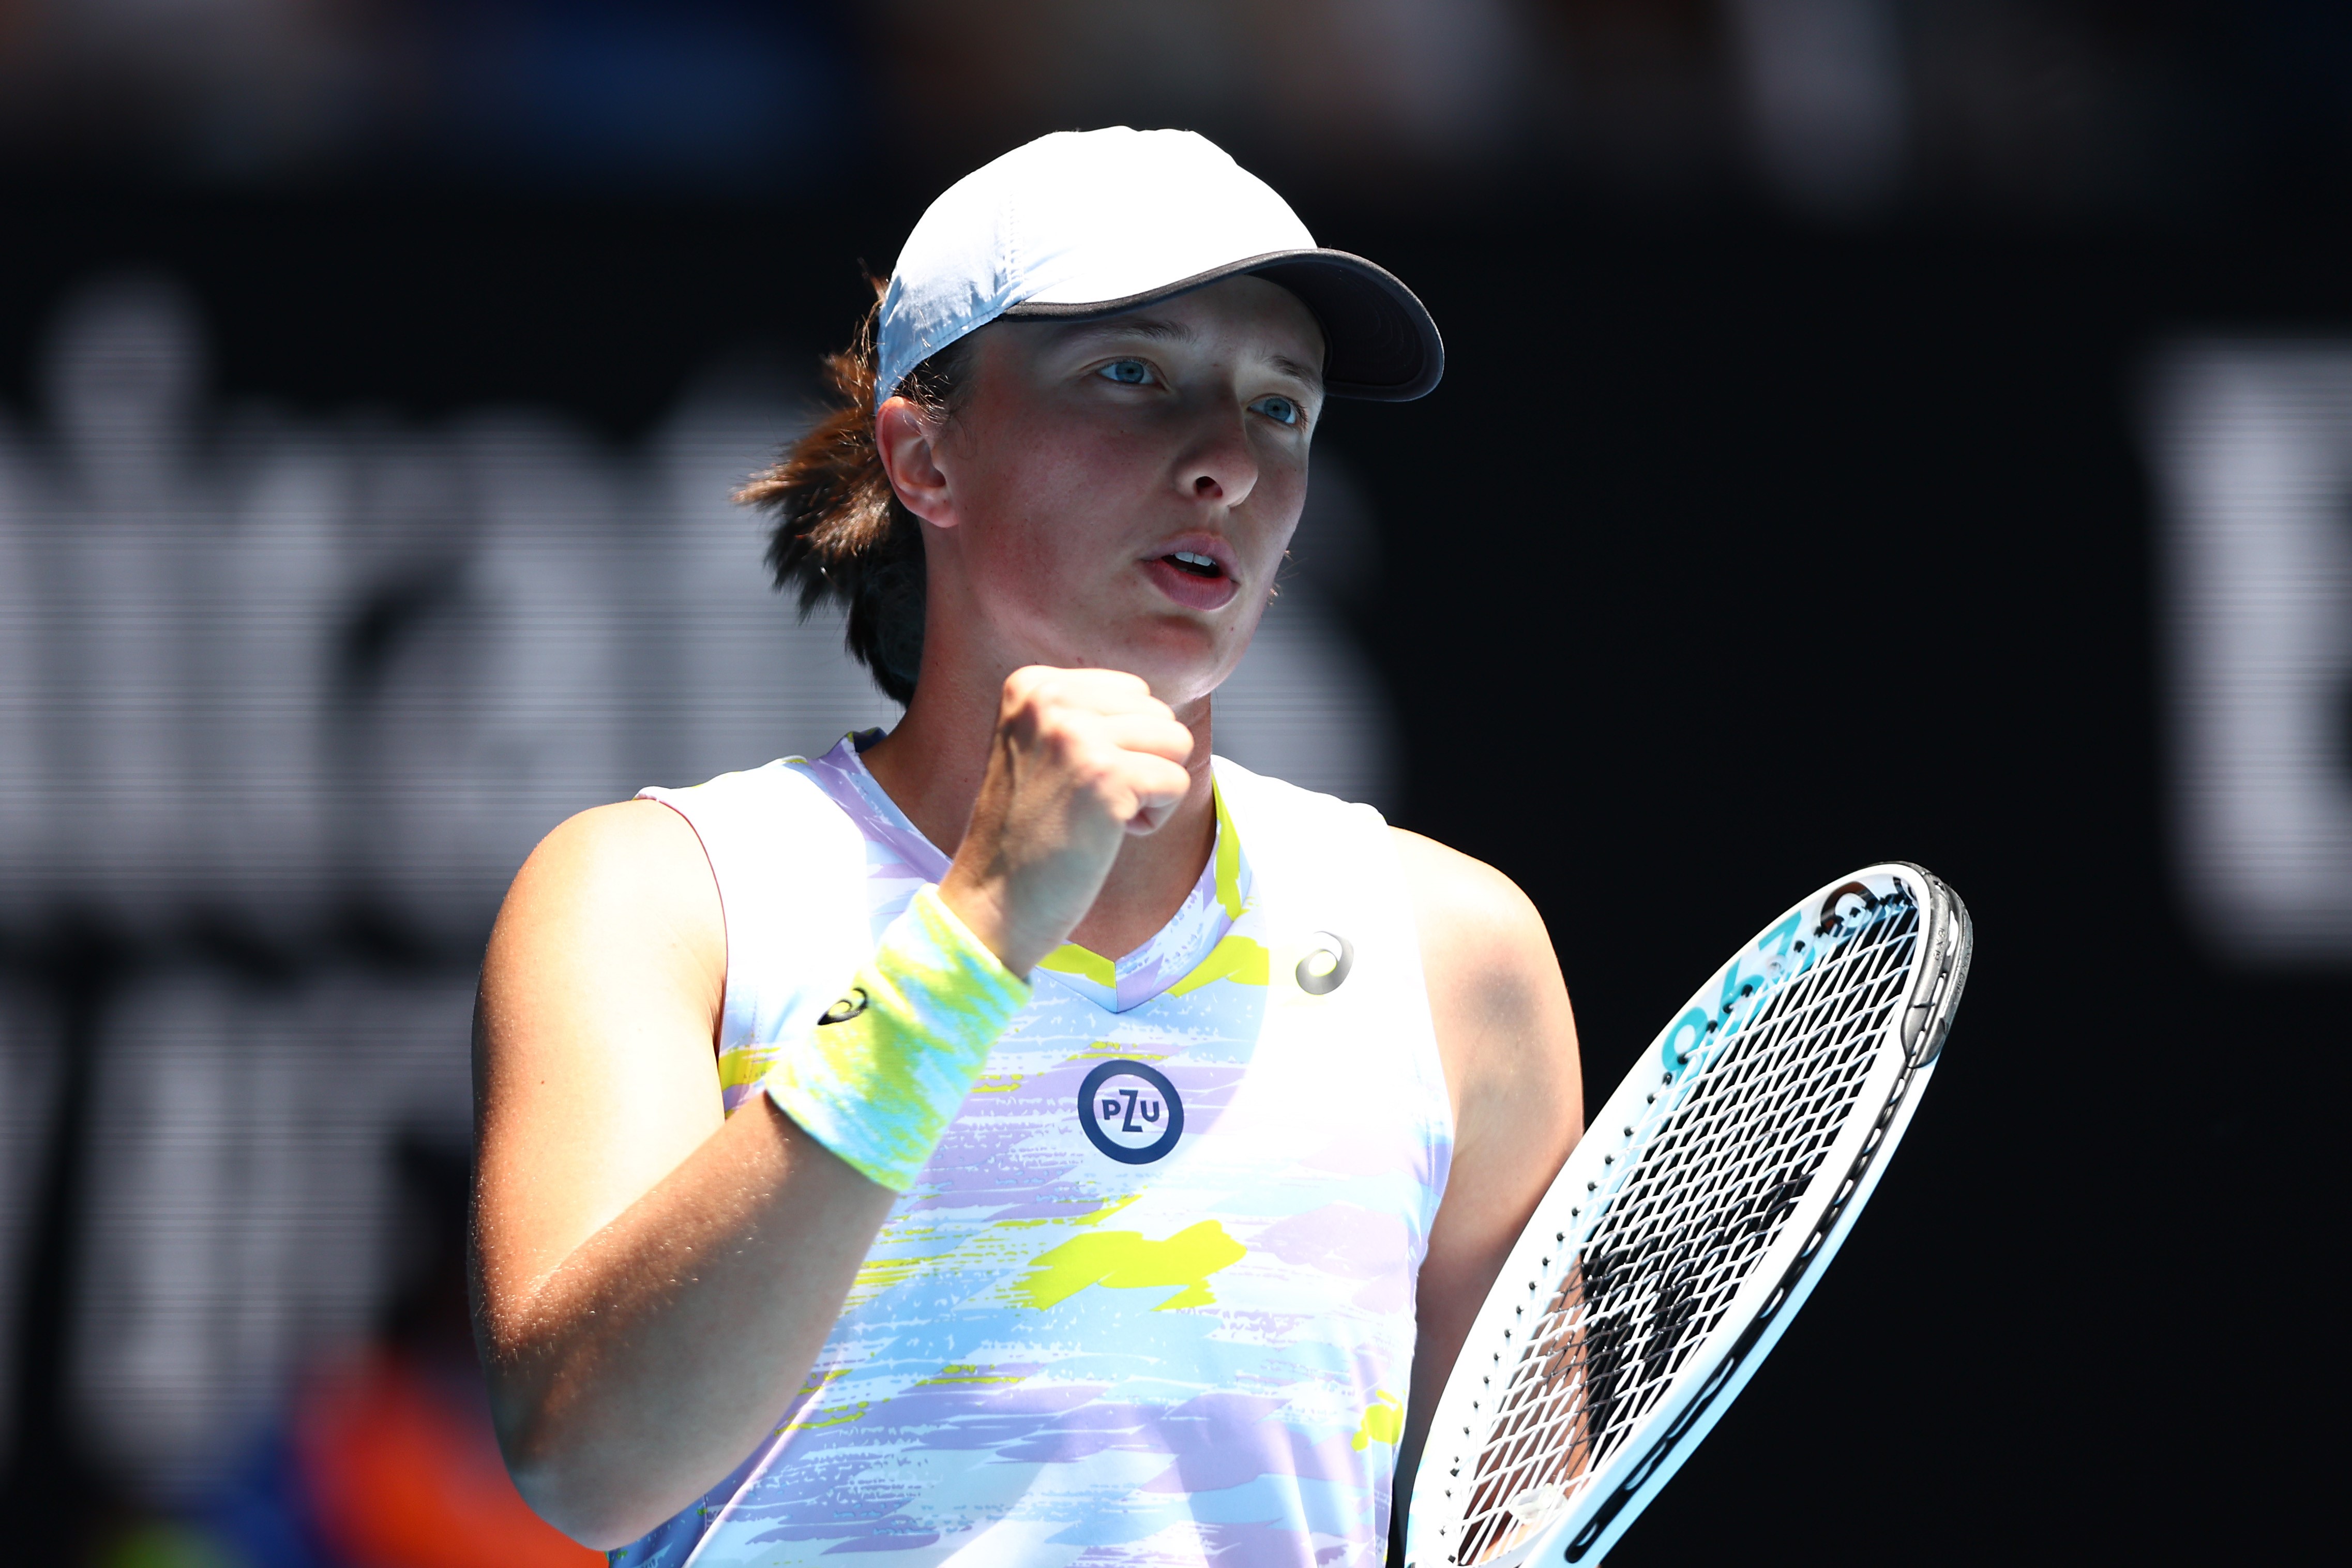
[1191,559]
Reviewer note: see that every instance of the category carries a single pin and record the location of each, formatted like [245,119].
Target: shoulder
[1476,923]
[623,887]
[1505,1029]
[636,848]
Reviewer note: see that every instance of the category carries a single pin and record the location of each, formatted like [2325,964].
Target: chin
[1180,686]
[1175,680]
[1182,657]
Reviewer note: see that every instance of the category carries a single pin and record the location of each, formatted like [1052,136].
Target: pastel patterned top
[1151,1301]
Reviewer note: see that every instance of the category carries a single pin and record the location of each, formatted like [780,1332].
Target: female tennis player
[1021,1137]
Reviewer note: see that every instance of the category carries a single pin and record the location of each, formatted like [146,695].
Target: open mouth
[1194,564]
[1193,578]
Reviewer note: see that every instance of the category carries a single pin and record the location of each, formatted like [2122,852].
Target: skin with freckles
[1103,515]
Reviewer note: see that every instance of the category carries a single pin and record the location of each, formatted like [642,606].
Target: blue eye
[1126,371]
[1281,410]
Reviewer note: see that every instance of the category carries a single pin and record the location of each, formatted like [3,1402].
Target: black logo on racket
[1130,1111]
[1835,918]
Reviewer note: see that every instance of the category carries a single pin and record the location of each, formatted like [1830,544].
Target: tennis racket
[1688,1226]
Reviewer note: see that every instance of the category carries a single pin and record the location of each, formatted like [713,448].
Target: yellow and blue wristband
[888,1065]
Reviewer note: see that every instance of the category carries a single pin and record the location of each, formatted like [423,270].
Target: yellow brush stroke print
[1127,1261]
[1383,1421]
[1236,958]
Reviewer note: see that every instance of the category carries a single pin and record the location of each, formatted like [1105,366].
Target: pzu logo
[1130,1111]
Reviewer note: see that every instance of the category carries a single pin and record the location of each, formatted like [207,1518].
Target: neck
[931,765]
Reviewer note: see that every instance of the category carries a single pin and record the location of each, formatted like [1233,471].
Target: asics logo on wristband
[1130,1111]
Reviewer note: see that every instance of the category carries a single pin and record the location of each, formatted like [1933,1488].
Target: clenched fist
[1081,759]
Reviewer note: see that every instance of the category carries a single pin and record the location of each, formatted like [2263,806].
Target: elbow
[583,1513]
[569,1493]
[575,1484]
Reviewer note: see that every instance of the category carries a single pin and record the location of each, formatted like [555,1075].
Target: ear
[906,440]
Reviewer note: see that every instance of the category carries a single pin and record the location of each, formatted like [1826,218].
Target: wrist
[882,1072]
[986,911]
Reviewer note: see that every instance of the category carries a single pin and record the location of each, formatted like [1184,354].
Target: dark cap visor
[1381,344]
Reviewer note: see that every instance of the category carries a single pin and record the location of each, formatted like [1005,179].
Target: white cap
[1083,223]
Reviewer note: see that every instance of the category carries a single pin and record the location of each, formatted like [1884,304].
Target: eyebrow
[1155,329]
[1152,327]
[1312,376]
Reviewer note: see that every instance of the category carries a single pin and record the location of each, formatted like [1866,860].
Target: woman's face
[1119,493]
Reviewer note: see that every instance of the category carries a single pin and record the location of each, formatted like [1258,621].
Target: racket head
[1689,1225]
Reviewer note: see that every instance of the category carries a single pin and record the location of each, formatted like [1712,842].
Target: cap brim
[1381,344]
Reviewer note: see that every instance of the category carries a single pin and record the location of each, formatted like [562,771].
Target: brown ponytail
[841,532]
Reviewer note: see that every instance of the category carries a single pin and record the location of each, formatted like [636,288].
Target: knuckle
[1031,688]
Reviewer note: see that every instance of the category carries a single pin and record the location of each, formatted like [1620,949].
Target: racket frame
[1627,1480]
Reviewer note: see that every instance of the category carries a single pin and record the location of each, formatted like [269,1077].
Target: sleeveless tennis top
[1151,1301]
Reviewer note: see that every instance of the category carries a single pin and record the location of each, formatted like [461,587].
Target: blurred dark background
[1872,427]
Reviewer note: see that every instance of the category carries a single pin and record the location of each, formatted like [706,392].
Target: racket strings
[1709,1193]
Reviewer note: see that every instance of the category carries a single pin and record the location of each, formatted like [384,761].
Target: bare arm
[1507,1039]
[653,1281]
[651,1286]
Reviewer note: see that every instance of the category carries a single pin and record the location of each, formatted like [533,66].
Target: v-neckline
[1162,962]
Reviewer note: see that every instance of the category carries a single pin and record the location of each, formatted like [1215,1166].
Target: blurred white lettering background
[2252,455]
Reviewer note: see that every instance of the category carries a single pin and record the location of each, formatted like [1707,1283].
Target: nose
[1219,465]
